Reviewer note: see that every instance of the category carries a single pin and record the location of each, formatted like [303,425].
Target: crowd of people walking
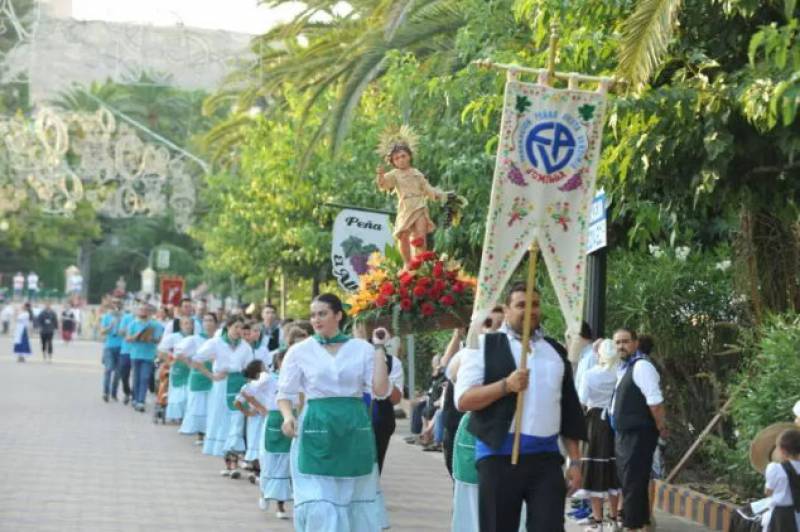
[305,411]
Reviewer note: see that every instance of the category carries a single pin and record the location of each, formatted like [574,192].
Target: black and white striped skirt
[599,467]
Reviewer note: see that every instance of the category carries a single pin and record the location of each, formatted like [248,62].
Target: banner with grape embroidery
[543,187]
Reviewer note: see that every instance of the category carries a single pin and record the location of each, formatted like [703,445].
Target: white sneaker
[263,504]
[281,515]
[225,472]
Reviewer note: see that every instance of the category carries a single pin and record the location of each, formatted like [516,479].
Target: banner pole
[533,258]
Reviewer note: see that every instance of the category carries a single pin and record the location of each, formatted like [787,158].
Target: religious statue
[413,222]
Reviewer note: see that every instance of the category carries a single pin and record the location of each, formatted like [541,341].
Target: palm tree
[323,50]
[646,34]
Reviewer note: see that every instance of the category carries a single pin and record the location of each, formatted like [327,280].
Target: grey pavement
[69,462]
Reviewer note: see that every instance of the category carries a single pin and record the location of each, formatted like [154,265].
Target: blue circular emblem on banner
[550,146]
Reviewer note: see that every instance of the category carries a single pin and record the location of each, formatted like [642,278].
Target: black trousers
[383,434]
[47,342]
[537,479]
[634,452]
[448,442]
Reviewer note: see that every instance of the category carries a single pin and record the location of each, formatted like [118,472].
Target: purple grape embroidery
[515,176]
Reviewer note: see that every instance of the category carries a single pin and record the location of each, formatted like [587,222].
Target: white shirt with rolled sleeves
[646,377]
[307,367]
[542,398]
[225,357]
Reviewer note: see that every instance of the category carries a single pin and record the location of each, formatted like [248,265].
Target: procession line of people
[308,419]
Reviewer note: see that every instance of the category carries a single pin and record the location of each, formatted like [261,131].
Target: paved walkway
[73,462]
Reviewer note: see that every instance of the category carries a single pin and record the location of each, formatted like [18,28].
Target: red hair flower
[427,309]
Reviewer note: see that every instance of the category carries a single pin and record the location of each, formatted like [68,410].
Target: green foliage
[767,389]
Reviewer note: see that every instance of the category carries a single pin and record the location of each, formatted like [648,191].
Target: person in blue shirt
[143,334]
[124,367]
[109,324]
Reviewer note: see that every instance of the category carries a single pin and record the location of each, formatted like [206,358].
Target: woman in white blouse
[200,383]
[333,456]
[230,355]
[178,370]
[599,468]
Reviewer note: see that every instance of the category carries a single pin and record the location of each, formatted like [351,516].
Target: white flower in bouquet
[681,252]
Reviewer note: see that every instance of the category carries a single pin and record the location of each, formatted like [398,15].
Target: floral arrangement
[431,286]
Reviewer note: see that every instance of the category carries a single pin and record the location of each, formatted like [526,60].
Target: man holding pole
[488,382]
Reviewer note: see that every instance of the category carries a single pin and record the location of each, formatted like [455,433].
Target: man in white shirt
[487,385]
[638,418]
[33,286]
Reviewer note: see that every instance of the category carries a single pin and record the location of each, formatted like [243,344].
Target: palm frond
[646,34]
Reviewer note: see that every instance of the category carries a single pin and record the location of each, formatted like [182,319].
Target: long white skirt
[218,422]
[234,443]
[254,437]
[333,504]
[194,420]
[465,509]
[176,401]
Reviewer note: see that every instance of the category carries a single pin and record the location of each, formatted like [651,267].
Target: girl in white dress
[275,481]
[178,370]
[333,456]
[230,354]
[200,383]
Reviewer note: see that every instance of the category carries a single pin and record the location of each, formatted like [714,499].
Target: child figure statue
[413,222]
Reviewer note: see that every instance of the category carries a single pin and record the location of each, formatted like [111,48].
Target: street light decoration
[65,157]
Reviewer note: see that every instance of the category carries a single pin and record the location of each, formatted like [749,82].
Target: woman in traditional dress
[599,467]
[22,343]
[230,355]
[194,420]
[333,456]
[178,369]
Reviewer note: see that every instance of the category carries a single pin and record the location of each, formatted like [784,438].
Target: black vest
[383,409]
[630,406]
[491,424]
[274,338]
[794,484]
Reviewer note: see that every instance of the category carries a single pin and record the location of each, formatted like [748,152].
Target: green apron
[336,439]
[199,382]
[235,382]
[275,441]
[178,374]
[464,454]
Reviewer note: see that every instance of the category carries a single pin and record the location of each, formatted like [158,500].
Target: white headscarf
[608,357]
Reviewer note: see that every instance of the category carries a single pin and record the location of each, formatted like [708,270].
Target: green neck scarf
[233,343]
[338,338]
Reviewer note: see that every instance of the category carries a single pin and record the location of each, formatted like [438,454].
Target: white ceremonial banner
[543,188]
[356,235]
